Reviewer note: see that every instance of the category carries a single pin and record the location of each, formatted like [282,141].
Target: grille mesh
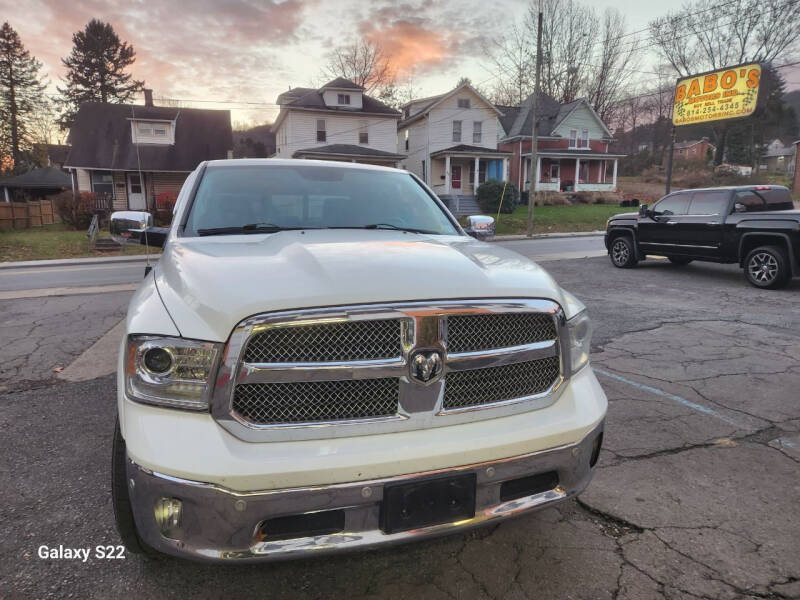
[326,342]
[495,384]
[311,401]
[467,333]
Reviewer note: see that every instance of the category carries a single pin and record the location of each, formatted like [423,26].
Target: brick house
[693,150]
[571,139]
[130,155]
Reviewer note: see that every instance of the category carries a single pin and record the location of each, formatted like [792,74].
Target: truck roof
[295,162]
[764,186]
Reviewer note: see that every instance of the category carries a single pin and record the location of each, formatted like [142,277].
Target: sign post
[724,94]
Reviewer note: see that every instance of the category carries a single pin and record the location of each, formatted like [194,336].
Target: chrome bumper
[222,525]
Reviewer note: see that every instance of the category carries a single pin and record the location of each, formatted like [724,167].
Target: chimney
[148,97]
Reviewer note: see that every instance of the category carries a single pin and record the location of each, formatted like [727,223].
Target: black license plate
[428,502]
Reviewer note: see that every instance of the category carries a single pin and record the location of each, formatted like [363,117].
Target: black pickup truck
[755,226]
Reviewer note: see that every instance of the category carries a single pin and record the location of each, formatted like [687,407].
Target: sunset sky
[242,54]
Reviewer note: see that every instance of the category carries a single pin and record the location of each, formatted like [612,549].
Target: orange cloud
[410,46]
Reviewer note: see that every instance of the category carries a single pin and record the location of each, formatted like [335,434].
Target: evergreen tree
[21,90]
[96,70]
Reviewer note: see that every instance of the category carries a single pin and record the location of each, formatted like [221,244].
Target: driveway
[695,496]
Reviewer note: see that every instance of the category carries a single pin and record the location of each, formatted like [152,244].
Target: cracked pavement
[696,494]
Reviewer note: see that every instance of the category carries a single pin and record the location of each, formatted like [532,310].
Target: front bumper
[222,525]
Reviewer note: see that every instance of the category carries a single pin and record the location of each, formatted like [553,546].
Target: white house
[336,122]
[451,142]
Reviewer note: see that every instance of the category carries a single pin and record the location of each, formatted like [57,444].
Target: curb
[537,236]
[62,262]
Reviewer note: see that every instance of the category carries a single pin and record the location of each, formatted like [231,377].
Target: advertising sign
[730,93]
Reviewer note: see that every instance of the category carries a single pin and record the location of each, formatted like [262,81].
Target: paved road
[31,278]
[695,495]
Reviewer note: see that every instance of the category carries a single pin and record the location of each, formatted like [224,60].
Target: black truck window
[776,198]
[750,200]
[709,203]
[674,204]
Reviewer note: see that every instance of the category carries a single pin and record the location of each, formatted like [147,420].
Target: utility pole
[669,159]
[534,172]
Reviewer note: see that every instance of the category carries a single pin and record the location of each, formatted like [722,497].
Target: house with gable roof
[451,143]
[572,146]
[336,122]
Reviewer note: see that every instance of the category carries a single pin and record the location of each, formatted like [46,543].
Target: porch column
[447,174]
[614,180]
[524,173]
[477,176]
[505,169]
[538,172]
[577,174]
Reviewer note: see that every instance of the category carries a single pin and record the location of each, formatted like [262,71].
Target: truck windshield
[257,199]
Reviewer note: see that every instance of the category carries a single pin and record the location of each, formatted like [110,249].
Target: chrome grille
[468,333]
[326,342]
[477,387]
[312,401]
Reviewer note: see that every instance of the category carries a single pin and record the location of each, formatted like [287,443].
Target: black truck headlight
[170,371]
[579,329]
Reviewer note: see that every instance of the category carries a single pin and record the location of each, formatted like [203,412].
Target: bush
[489,194]
[76,209]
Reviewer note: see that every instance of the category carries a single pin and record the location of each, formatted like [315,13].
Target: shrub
[76,209]
[489,194]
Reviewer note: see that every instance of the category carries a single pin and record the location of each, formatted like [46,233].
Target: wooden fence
[22,215]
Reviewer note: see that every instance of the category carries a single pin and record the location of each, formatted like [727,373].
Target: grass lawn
[551,219]
[50,241]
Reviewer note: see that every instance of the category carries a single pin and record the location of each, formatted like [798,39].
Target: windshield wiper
[249,228]
[397,227]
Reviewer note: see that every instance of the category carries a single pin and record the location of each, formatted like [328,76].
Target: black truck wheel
[767,267]
[622,253]
[679,260]
[123,513]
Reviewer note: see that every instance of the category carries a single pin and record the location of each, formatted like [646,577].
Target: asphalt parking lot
[696,494]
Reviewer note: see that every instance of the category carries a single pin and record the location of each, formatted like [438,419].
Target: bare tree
[364,63]
[611,71]
[512,59]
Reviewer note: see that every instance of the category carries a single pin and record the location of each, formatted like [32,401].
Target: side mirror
[644,211]
[480,226]
[132,227]
[738,207]
[127,226]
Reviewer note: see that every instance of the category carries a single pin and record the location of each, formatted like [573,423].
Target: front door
[136,199]
[455,177]
[699,232]
[656,235]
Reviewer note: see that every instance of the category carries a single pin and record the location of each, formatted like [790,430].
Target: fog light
[167,512]
[158,361]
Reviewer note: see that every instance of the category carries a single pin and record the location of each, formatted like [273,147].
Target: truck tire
[767,267]
[622,252]
[123,513]
[679,260]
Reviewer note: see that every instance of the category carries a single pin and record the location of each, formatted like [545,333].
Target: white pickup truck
[323,360]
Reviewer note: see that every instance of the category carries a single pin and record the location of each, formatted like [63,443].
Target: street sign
[730,93]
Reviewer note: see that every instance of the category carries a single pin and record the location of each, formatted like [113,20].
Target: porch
[458,171]
[587,172]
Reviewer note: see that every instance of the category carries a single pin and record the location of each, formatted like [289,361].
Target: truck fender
[775,234]
[630,232]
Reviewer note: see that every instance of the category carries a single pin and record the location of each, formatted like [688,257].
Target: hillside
[256,142]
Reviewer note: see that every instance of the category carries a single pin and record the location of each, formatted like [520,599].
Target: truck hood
[210,284]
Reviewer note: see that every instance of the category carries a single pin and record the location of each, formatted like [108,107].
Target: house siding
[581,118]
[167,182]
[299,130]
[331,98]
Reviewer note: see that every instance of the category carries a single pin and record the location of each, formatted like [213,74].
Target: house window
[583,141]
[573,138]
[406,139]
[463,103]
[344,98]
[554,171]
[363,133]
[321,134]
[144,132]
[424,177]
[481,172]
[456,131]
[476,132]
[102,182]
[694,150]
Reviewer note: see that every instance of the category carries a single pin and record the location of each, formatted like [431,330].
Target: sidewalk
[60,262]
[536,236]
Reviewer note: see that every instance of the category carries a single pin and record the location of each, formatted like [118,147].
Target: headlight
[170,371]
[579,329]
